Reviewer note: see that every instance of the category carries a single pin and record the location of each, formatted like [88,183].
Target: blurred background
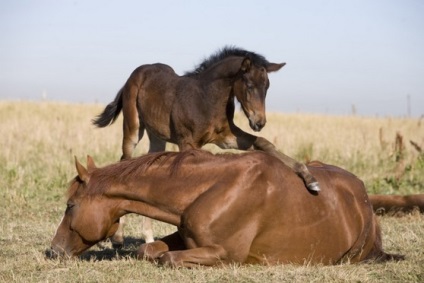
[343,57]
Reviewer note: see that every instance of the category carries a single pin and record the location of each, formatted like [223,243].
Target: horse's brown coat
[247,208]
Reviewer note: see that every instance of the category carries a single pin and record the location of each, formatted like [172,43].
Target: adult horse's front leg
[153,251]
[239,139]
[209,256]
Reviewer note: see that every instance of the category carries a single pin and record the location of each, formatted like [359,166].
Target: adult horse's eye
[69,206]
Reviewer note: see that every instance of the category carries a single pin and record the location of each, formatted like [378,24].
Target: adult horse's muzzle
[55,252]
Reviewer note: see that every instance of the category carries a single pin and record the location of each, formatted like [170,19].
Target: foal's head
[88,219]
[251,86]
[249,73]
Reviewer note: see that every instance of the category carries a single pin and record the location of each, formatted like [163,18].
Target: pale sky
[339,54]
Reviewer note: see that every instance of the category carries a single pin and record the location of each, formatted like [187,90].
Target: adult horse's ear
[273,67]
[90,163]
[82,172]
[245,65]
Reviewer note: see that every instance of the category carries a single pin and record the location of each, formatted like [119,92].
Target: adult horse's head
[251,86]
[88,219]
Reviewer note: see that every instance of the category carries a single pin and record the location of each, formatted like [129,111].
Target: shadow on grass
[104,251]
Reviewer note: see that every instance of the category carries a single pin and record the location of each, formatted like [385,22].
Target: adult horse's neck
[155,196]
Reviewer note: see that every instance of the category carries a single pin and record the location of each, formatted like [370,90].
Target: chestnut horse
[197,108]
[230,208]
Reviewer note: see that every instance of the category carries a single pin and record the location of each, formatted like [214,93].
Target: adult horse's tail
[396,203]
[111,112]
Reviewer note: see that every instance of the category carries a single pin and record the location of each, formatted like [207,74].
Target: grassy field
[38,142]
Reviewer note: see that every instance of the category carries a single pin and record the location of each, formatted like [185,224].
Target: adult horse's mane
[226,52]
[126,169]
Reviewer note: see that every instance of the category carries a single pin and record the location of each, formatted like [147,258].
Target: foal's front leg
[300,168]
[245,141]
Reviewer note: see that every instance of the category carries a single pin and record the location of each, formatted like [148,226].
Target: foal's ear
[82,172]
[273,67]
[90,163]
[245,65]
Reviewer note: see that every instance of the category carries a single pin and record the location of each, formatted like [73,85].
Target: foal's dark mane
[228,51]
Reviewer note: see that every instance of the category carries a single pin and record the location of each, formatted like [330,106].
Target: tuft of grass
[38,142]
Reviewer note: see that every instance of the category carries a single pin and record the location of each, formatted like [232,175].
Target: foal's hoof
[314,187]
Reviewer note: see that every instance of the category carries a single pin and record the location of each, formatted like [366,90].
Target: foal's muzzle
[256,123]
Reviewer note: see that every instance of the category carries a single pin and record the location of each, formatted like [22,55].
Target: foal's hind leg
[133,129]
[133,133]
[118,238]
[155,145]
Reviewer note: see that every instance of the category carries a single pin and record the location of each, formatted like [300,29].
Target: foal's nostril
[259,126]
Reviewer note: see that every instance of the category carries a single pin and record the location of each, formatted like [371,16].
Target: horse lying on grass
[229,208]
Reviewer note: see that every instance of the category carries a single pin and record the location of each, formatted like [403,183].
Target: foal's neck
[227,68]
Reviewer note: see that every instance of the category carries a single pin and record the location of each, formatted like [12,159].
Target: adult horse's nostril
[51,254]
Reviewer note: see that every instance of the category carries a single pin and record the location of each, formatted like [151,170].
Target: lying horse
[246,208]
[197,108]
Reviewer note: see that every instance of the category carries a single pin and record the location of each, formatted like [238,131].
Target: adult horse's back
[245,208]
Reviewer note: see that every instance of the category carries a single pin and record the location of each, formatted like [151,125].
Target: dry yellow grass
[39,140]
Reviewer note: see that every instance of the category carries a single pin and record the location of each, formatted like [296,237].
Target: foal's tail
[111,112]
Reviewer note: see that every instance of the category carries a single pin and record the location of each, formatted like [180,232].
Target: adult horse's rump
[247,208]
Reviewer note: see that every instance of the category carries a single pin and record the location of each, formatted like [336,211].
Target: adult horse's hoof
[314,186]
